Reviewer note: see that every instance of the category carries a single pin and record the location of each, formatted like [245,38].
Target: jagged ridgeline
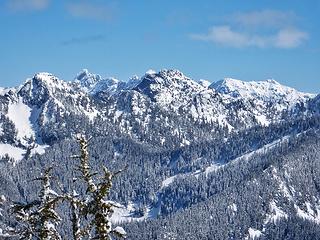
[227,160]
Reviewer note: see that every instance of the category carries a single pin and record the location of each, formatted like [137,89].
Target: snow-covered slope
[266,100]
[169,88]
[154,108]
[314,104]
[269,90]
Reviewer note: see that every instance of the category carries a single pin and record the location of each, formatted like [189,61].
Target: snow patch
[39,149]
[263,149]
[20,114]
[128,213]
[13,152]
[233,207]
[168,181]
[119,230]
[262,120]
[204,83]
[151,72]
[212,168]
[310,214]
[276,213]
[254,233]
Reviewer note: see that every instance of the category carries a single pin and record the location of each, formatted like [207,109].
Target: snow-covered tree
[96,207]
[38,219]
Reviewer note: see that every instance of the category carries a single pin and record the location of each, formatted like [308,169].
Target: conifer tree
[90,212]
[38,219]
[96,206]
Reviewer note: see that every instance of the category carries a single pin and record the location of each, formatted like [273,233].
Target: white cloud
[91,11]
[264,18]
[290,38]
[225,35]
[262,29]
[27,5]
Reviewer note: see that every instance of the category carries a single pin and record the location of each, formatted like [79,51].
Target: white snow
[282,186]
[184,142]
[262,120]
[120,230]
[276,213]
[310,214]
[1,129]
[233,207]
[212,168]
[254,233]
[117,114]
[4,91]
[13,152]
[204,83]
[51,81]
[263,149]
[151,72]
[39,149]
[126,213]
[20,114]
[268,89]
[91,114]
[17,154]
[168,181]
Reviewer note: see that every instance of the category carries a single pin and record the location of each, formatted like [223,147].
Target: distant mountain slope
[269,195]
[227,160]
[165,108]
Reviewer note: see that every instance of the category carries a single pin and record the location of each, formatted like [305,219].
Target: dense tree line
[198,195]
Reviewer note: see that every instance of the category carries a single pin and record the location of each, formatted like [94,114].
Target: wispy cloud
[290,38]
[264,18]
[224,35]
[253,30]
[83,40]
[89,10]
[27,5]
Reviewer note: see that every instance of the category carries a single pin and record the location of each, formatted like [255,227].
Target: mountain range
[227,153]
[134,106]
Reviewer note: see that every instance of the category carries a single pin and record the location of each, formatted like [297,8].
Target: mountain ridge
[157,99]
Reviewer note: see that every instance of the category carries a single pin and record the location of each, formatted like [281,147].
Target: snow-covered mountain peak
[133,82]
[171,73]
[172,78]
[44,76]
[168,87]
[271,80]
[204,83]
[263,90]
[165,75]
[4,91]
[48,80]
[110,85]
[41,87]
[87,80]
[150,72]
[84,73]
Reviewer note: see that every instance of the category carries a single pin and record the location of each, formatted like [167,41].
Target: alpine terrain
[205,160]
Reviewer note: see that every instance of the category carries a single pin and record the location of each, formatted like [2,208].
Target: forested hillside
[230,160]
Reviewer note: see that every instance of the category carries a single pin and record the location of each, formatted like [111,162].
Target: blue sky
[243,39]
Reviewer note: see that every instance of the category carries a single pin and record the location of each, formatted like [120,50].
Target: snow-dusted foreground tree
[90,212]
[38,219]
[96,207]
